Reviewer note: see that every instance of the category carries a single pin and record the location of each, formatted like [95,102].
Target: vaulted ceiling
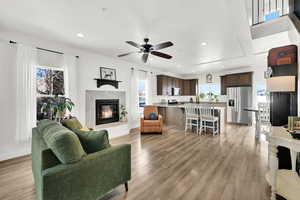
[107,24]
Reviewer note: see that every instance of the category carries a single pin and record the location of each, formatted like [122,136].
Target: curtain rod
[42,49]
[132,68]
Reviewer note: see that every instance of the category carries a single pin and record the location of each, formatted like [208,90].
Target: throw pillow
[64,143]
[84,128]
[72,123]
[93,141]
[153,116]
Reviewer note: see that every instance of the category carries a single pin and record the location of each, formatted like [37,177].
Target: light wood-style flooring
[173,166]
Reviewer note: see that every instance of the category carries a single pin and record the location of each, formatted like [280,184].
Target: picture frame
[108,74]
[209,78]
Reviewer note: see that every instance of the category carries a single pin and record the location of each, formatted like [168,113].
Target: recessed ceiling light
[80,35]
[203,43]
[104,9]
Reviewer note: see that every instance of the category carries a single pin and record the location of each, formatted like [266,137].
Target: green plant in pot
[57,107]
[123,113]
[216,97]
[201,95]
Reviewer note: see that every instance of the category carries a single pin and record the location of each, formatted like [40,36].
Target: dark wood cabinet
[162,85]
[235,80]
[193,86]
[232,80]
[159,85]
[223,85]
[186,87]
[245,79]
[166,83]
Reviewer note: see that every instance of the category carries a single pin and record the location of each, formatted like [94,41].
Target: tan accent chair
[151,126]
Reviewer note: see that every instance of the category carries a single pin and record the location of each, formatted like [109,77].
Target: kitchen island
[174,115]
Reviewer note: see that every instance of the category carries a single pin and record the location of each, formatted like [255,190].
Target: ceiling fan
[147,49]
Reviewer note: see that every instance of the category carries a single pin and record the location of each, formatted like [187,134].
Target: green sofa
[64,171]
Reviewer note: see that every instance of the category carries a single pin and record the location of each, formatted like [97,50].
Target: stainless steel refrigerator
[239,98]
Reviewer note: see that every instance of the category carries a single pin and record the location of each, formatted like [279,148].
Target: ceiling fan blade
[162,45]
[133,44]
[126,54]
[145,57]
[160,54]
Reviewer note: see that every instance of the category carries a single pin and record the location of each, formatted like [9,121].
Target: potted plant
[123,113]
[216,97]
[201,95]
[57,107]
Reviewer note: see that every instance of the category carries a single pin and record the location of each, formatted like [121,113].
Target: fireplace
[107,111]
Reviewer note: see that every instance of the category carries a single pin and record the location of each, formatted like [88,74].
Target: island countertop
[181,104]
[174,114]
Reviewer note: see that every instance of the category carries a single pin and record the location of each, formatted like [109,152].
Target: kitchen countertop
[181,104]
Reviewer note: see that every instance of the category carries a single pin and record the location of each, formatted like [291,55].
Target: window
[261,92]
[142,93]
[49,82]
[208,88]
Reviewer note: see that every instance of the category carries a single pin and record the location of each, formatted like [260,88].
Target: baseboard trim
[10,156]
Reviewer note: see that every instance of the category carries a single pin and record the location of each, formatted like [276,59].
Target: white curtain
[26,91]
[149,87]
[70,79]
[134,99]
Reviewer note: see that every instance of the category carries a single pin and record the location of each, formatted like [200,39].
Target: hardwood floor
[174,166]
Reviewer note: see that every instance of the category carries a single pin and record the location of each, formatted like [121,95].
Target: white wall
[81,79]
[88,70]
[9,146]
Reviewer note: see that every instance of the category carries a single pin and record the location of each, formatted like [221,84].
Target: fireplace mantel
[101,82]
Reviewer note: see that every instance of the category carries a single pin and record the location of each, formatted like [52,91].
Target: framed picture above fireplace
[108,74]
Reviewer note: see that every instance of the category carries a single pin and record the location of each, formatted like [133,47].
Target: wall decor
[268,73]
[209,78]
[108,74]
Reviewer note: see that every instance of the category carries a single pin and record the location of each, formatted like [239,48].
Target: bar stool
[192,117]
[208,118]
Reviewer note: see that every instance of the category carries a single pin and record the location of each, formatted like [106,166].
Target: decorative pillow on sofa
[64,143]
[72,123]
[93,141]
[85,128]
[153,116]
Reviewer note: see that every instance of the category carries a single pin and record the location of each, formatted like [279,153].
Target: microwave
[176,91]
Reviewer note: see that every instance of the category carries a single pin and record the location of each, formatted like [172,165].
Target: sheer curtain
[26,91]
[70,80]
[134,99]
[149,87]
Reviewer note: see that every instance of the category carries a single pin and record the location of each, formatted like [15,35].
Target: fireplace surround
[107,111]
[90,103]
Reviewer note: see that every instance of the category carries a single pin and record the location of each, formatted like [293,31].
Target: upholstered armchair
[149,125]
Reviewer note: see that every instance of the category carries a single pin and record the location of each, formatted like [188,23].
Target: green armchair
[88,177]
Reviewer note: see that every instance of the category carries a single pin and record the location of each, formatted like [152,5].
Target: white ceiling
[222,24]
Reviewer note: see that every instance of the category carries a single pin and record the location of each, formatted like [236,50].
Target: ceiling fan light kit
[147,49]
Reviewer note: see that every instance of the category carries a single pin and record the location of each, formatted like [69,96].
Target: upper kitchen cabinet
[235,80]
[223,85]
[186,90]
[190,87]
[166,83]
[162,85]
